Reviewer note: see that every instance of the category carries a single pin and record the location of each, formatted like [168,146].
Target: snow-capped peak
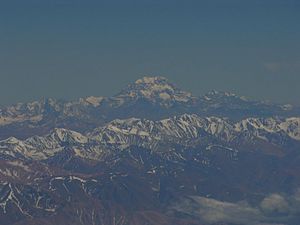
[65,135]
[151,80]
[155,89]
[121,133]
[288,126]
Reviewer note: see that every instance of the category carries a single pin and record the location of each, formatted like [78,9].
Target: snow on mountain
[220,145]
[292,127]
[185,130]
[15,148]
[261,126]
[156,90]
[21,112]
[32,112]
[221,94]
[148,133]
[36,111]
[95,101]
[38,147]
[148,97]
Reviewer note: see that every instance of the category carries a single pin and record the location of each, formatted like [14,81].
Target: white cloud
[275,203]
[274,209]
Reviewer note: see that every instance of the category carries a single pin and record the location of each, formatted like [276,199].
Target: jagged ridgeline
[150,98]
[152,154]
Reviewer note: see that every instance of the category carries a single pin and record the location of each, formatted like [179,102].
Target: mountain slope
[186,130]
[150,155]
[149,97]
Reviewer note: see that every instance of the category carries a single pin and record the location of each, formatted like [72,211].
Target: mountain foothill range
[152,154]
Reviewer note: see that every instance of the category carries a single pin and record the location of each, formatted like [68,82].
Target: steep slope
[149,97]
[162,135]
[177,170]
[157,90]
[150,155]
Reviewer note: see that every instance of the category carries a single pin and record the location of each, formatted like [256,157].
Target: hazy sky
[75,48]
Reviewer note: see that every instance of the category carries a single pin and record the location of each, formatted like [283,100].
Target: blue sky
[69,49]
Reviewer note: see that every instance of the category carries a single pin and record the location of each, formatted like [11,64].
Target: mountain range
[150,98]
[151,154]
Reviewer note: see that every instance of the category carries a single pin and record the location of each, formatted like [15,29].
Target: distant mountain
[150,155]
[155,90]
[149,97]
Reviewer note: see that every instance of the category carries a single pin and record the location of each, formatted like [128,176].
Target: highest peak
[151,80]
[156,83]
[155,89]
